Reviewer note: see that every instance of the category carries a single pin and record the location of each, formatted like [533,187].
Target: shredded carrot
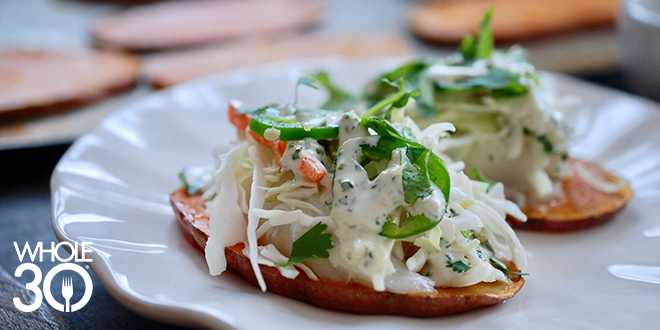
[279,147]
[312,169]
[240,121]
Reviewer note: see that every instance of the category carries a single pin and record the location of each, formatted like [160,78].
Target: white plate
[112,186]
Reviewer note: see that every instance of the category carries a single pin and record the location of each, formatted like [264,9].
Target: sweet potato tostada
[580,205]
[509,128]
[351,212]
[354,298]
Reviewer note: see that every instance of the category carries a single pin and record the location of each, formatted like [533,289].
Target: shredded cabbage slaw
[262,199]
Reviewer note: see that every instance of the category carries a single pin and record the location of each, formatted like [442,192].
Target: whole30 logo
[78,252]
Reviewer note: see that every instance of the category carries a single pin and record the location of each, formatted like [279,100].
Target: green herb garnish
[290,128]
[428,163]
[422,167]
[416,78]
[416,183]
[501,266]
[408,134]
[345,185]
[482,46]
[312,244]
[468,233]
[476,173]
[543,139]
[191,189]
[486,243]
[458,266]
[309,82]
[394,100]
[547,145]
[339,99]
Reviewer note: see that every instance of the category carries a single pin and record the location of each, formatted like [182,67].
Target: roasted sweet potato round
[45,82]
[581,205]
[450,21]
[346,297]
[179,24]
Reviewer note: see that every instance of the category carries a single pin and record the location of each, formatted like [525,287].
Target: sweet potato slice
[353,298]
[165,70]
[581,205]
[177,24]
[43,82]
[448,22]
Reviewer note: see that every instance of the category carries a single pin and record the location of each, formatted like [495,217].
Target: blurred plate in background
[58,25]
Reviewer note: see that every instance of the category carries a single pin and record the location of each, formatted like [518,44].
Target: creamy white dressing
[450,73]
[296,151]
[359,201]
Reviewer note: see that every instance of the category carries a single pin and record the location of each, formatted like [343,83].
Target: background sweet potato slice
[186,23]
[581,206]
[353,298]
[449,21]
[165,70]
[41,82]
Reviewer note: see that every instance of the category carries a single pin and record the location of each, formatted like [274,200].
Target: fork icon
[67,291]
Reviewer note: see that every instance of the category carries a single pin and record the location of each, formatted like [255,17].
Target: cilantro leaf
[383,149]
[413,226]
[309,82]
[416,182]
[407,133]
[340,99]
[406,70]
[476,173]
[415,75]
[243,111]
[485,40]
[458,266]
[390,139]
[502,266]
[468,233]
[401,85]
[381,126]
[438,173]
[482,46]
[396,100]
[547,145]
[543,139]
[421,168]
[312,244]
[468,48]
[191,189]
[486,243]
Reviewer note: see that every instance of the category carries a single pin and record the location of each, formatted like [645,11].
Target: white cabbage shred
[520,141]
